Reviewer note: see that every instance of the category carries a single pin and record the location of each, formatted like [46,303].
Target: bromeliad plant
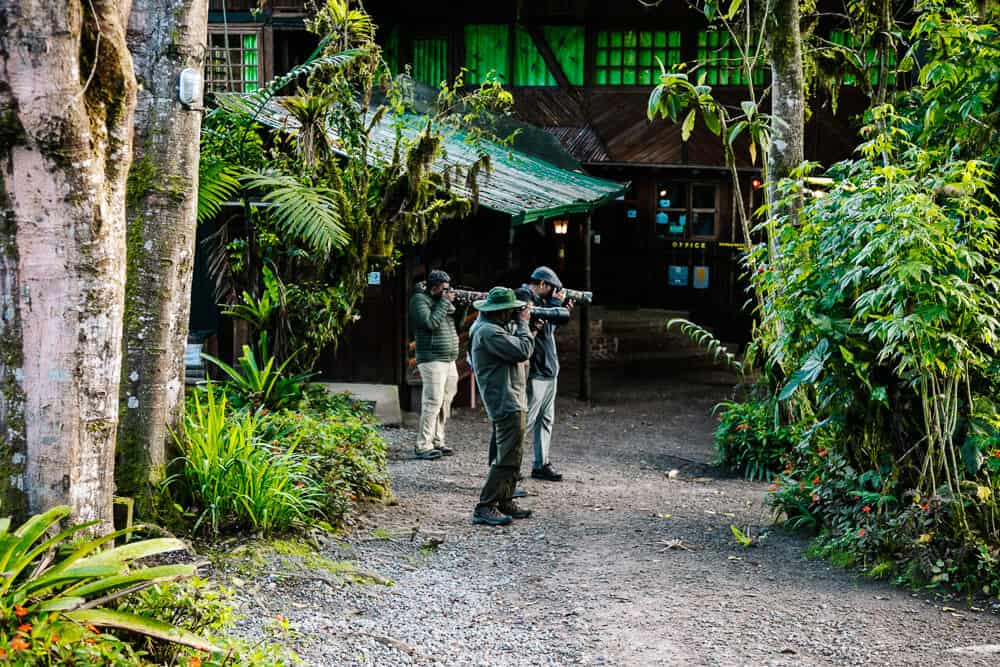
[260,381]
[67,582]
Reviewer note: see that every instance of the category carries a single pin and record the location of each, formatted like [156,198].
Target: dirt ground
[620,565]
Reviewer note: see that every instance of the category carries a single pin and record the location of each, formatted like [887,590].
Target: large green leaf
[306,211]
[142,625]
[135,550]
[149,575]
[218,182]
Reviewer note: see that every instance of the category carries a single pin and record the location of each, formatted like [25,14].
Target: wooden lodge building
[581,71]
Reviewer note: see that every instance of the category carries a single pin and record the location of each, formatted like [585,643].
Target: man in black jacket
[432,316]
[546,291]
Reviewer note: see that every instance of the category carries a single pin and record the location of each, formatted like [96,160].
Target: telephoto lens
[547,313]
[578,296]
[464,296]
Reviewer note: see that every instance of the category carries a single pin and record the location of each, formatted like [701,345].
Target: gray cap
[545,274]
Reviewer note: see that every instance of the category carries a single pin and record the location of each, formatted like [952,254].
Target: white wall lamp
[189,87]
[561,227]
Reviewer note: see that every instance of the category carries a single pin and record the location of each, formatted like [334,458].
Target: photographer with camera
[501,346]
[547,298]
[433,318]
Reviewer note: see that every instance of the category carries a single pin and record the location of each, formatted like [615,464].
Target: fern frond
[306,211]
[218,182]
[703,338]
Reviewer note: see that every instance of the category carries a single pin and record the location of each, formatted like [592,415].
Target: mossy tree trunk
[165,37]
[787,91]
[67,96]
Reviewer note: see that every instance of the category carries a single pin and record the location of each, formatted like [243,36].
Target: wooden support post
[585,317]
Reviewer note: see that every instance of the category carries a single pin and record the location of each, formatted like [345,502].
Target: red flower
[815,498]
[996,453]
[194,661]
[773,487]
[866,509]
[822,451]
[861,532]
[93,628]
[742,427]
[18,644]
[816,479]
[24,627]
[20,611]
[926,507]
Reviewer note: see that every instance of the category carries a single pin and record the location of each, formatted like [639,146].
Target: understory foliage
[883,303]
[68,599]
[332,193]
[247,467]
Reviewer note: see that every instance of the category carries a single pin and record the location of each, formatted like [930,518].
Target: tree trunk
[787,92]
[165,36]
[67,97]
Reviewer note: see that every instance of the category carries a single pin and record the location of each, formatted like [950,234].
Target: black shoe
[489,516]
[511,509]
[445,451]
[428,455]
[547,473]
[519,493]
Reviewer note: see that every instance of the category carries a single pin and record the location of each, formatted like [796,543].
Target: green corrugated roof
[522,186]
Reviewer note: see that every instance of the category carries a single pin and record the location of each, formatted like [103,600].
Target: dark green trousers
[506,463]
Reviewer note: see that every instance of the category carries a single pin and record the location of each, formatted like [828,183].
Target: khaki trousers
[440,384]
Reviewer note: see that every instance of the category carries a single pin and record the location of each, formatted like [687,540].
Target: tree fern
[306,211]
[704,338]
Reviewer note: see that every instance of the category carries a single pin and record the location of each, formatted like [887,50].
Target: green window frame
[430,60]
[719,58]
[233,61]
[487,49]
[846,39]
[629,57]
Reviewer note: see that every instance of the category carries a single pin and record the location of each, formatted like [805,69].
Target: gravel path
[621,565]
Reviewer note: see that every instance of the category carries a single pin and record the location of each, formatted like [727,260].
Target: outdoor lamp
[561,227]
[189,87]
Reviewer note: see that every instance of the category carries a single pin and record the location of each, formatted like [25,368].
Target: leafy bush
[346,451]
[55,591]
[260,383]
[750,439]
[200,606]
[231,477]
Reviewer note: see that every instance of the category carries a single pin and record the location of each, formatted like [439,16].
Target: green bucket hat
[499,298]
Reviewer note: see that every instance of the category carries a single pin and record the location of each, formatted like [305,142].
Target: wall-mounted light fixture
[561,227]
[189,87]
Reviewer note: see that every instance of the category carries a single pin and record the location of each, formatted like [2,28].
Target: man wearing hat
[432,316]
[501,345]
[544,290]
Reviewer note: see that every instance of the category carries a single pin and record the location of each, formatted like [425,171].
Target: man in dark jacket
[432,316]
[501,346]
[545,289]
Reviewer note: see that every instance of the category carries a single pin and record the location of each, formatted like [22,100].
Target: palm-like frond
[306,211]
[704,338]
[217,183]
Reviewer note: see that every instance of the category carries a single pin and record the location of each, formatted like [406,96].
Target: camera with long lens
[547,313]
[578,296]
[466,297]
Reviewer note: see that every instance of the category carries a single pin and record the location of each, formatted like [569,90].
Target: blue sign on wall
[632,213]
[677,276]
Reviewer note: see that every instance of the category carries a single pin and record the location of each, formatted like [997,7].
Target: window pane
[704,224]
[704,196]
[486,50]
[672,195]
[636,53]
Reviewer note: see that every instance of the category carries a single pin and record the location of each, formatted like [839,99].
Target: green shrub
[345,449]
[201,606]
[55,591]
[260,382]
[229,477]
[750,439]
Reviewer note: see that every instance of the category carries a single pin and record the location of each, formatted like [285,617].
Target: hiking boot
[519,493]
[547,473]
[511,509]
[489,516]
[427,455]
[445,451]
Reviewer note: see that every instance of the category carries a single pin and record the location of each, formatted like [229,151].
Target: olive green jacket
[499,359]
[433,324]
